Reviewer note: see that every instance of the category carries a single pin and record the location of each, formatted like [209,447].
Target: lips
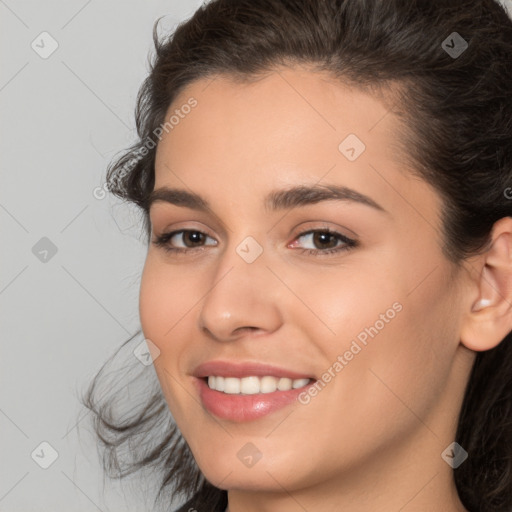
[240,370]
[235,405]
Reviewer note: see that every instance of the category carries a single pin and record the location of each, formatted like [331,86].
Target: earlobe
[489,318]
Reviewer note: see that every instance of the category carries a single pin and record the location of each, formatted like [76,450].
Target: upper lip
[247,369]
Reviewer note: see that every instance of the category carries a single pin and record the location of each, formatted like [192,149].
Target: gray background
[63,118]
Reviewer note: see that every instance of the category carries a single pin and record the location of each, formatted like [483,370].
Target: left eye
[192,239]
[328,239]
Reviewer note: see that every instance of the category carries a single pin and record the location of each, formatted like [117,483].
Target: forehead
[278,109]
[290,125]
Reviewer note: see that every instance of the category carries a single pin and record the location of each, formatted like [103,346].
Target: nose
[241,298]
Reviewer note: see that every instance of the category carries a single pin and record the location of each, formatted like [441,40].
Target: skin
[372,438]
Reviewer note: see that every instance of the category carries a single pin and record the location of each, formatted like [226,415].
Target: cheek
[410,359]
[153,301]
[352,304]
[164,301]
[396,321]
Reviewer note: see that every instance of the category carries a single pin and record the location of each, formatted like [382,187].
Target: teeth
[299,383]
[249,385]
[268,384]
[254,385]
[231,385]
[284,384]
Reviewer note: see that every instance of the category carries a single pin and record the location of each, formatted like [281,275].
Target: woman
[325,187]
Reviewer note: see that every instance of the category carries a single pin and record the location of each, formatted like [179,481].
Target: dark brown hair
[456,113]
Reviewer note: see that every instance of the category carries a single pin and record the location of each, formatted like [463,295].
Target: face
[322,318]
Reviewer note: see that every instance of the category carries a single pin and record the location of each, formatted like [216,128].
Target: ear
[489,316]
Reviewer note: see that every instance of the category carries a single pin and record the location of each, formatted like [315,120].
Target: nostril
[243,329]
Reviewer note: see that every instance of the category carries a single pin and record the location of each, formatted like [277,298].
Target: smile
[253,385]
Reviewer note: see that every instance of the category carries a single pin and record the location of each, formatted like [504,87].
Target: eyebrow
[276,200]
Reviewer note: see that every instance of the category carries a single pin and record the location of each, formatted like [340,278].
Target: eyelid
[188,226]
[307,227]
[161,218]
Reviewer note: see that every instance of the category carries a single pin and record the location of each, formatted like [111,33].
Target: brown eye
[325,242]
[189,239]
[195,237]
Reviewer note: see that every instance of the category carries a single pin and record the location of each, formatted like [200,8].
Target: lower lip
[241,408]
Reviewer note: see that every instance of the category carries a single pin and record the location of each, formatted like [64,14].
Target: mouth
[242,392]
[254,384]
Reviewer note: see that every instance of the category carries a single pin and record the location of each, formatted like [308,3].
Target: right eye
[194,237]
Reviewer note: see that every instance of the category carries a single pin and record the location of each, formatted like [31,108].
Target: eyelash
[162,241]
